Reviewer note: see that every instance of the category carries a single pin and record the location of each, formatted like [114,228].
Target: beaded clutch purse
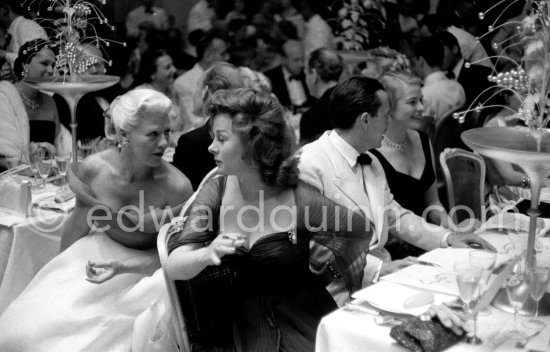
[420,335]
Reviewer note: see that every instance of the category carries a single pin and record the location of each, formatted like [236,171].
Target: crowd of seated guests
[221,98]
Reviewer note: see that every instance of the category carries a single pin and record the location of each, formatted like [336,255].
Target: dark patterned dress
[265,298]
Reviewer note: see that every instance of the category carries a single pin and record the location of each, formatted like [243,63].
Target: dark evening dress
[42,131]
[409,193]
[275,302]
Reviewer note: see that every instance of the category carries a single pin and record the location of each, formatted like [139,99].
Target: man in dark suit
[473,78]
[192,156]
[288,80]
[323,71]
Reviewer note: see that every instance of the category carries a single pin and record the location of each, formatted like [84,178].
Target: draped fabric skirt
[61,311]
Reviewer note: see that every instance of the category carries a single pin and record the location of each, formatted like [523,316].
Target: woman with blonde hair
[89,296]
[407,155]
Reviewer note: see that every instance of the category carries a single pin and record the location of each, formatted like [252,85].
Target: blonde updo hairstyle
[395,82]
[127,110]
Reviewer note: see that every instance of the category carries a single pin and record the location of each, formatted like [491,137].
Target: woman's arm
[189,260]
[76,227]
[437,213]
[104,271]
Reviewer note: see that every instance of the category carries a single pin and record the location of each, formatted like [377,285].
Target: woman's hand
[454,320]
[225,243]
[100,272]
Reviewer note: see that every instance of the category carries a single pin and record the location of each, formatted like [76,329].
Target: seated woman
[407,157]
[256,221]
[121,197]
[29,115]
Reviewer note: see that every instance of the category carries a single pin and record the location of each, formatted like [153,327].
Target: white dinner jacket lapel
[353,192]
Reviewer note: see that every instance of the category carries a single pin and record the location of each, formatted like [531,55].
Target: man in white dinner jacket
[339,165]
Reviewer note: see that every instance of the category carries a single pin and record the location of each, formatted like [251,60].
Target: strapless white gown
[61,311]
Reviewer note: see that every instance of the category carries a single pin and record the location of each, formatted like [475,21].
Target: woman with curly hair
[254,223]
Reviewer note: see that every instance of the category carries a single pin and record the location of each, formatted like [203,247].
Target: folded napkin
[541,342]
[420,335]
[16,195]
[56,201]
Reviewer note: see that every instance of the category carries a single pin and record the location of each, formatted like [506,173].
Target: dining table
[365,323]
[28,243]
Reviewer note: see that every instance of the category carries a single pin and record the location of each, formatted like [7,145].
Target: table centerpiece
[528,147]
[70,34]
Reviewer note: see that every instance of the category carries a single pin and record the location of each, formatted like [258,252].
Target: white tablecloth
[25,247]
[350,331]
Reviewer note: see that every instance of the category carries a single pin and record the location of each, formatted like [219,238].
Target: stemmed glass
[35,158]
[540,277]
[62,161]
[467,279]
[44,165]
[517,288]
[485,262]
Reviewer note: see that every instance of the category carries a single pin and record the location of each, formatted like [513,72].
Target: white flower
[355,16]
[346,24]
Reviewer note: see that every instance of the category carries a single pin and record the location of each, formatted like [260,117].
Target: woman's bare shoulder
[174,181]
[96,164]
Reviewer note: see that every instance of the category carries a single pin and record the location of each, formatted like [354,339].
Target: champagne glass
[485,262]
[44,166]
[540,277]
[62,161]
[34,167]
[517,289]
[467,279]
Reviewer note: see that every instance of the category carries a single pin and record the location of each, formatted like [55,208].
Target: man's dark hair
[352,97]
[431,50]
[449,40]
[328,64]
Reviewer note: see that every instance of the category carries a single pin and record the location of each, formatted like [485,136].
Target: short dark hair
[352,97]
[328,64]
[431,50]
[259,120]
[148,64]
[204,43]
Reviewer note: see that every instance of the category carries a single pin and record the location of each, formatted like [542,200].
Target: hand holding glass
[467,279]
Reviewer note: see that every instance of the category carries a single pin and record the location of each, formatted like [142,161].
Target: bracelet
[526,182]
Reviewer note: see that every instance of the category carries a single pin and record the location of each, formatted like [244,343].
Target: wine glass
[485,262]
[33,165]
[467,279]
[62,161]
[540,277]
[517,289]
[44,165]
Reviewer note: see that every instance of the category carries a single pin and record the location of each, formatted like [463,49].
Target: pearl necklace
[30,103]
[394,145]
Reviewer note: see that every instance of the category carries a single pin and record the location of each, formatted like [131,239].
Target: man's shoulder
[196,136]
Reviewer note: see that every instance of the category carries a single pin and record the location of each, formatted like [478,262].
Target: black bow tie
[450,75]
[364,159]
[298,77]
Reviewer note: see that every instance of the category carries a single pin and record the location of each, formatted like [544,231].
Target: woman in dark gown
[255,224]
[407,157]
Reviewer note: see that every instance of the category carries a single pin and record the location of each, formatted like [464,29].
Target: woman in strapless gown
[253,226]
[89,297]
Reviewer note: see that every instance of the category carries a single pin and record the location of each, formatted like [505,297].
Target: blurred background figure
[323,71]
[146,12]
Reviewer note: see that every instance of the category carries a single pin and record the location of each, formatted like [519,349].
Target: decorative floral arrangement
[358,25]
[71,34]
[529,80]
